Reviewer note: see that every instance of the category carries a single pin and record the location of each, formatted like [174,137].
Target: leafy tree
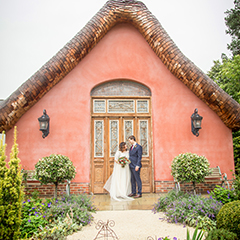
[232,21]
[54,169]
[11,193]
[227,75]
[189,167]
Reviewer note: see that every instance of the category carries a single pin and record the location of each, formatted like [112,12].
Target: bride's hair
[122,146]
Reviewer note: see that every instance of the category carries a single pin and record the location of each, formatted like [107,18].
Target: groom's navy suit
[135,156]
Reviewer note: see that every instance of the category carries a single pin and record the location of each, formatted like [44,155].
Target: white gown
[119,183]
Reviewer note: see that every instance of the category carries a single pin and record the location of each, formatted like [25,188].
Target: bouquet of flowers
[123,161]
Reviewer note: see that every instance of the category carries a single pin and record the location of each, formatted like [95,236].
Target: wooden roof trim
[112,13]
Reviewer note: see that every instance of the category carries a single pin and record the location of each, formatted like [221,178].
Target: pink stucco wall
[122,54]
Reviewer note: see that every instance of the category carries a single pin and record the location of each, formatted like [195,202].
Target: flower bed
[55,219]
[189,209]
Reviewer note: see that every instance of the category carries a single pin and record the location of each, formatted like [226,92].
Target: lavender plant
[80,205]
[33,216]
[223,195]
[189,209]
[53,218]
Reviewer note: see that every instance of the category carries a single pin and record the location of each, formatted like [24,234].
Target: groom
[135,156]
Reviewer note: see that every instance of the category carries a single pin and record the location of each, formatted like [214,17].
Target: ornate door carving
[113,121]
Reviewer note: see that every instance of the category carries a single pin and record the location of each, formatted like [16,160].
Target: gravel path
[133,225]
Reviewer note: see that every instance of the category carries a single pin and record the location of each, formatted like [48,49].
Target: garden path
[134,220]
[146,202]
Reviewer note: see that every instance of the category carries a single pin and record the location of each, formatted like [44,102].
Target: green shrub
[221,234]
[79,205]
[236,182]
[11,194]
[164,201]
[59,230]
[54,169]
[229,217]
[33,216]
[189,167]
[223,195]
[53,218]
[189,209]
[205,223]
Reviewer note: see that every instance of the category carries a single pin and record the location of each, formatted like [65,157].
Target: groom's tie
[131,147]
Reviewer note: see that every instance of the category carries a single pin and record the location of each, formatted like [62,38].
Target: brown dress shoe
[138,196]
[131,195]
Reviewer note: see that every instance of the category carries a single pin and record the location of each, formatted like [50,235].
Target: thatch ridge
[112,13]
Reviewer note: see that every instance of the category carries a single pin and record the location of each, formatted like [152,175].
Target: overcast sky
[33,31]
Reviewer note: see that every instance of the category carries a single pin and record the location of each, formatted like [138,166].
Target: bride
[119,183]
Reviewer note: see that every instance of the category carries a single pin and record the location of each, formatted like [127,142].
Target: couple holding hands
[126,172]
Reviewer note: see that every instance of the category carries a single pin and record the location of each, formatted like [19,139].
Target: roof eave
[112,13]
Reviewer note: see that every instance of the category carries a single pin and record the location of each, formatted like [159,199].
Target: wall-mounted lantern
[44,124]
[196,121]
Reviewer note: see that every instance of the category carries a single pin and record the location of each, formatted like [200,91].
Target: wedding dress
[119,183]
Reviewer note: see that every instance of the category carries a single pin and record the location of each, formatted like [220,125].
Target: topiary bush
[54,169]
[189,167]
[229,217]
[221,234]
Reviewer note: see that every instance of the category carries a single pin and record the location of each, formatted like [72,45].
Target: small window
[99,106]
[121,106]
[142,106]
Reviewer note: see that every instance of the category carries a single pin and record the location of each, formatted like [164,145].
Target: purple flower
[174,238]
[29,220]
[44,216]
[29,200]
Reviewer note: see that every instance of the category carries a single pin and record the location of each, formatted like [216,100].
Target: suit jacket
[135,156]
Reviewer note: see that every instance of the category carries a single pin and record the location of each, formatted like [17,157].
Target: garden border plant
[11,192]
[229,217]
[55,169]
[190,167]
[189,209]
[55,218]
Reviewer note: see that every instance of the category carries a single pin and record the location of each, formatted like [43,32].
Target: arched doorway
[119,109]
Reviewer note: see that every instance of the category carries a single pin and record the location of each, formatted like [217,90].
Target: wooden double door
[107,133]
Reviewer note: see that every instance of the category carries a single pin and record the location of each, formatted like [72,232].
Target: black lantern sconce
[44,124]
[196,121]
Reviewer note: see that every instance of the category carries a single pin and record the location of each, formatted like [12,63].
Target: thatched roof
[112,13]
